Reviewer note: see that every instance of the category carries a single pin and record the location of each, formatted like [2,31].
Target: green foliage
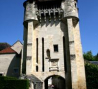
[7,78]
[96,57]
[13,83]
[89,56]
[91,76]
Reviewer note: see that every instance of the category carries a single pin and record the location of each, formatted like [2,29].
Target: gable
[17,47]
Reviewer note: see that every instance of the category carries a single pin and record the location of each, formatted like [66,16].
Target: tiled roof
[7,50]
[4,46]
[94,62]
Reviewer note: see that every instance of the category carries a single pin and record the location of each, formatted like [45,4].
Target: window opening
[36,54]
[16,70]
[48,53]
[37,50]
[43,54]
[55,48]
[1,74]
[36,68]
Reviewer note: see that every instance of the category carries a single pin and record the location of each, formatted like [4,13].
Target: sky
[11,23]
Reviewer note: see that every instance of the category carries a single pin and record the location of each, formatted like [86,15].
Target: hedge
[7,78]
[13,83]
[91,76]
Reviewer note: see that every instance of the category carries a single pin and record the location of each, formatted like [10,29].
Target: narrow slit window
[37,50]
[37,54]
[36,68]
[55,48]
[43,54]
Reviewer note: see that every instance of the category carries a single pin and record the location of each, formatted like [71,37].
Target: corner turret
[30,10]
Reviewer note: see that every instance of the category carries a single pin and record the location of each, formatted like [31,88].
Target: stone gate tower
[52,52]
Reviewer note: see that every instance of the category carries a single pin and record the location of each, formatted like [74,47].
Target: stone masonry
[52,44]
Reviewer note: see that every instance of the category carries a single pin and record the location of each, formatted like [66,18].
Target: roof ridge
[16,42]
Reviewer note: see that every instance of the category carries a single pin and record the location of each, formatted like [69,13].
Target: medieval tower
[52,52]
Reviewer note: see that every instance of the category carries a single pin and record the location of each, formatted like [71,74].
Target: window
[43,54]
[36,68]
[55,48]
[37,54]
[48,53]
[36,50]
[16,70]
[1,74]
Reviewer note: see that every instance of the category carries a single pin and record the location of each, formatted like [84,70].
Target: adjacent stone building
[10,59]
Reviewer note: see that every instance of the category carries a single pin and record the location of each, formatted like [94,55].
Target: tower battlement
[36,10]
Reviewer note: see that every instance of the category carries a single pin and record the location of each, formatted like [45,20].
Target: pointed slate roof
[7,51]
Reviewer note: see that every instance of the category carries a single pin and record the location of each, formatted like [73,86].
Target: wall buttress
[29,47]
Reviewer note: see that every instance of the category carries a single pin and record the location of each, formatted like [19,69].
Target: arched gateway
[54,82]
[52,45]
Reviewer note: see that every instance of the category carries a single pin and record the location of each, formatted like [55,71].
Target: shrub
[13,83]
[91,76]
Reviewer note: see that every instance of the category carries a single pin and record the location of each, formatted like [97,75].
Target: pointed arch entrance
[54,82]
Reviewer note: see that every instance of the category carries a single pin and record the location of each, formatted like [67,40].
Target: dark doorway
[55,82]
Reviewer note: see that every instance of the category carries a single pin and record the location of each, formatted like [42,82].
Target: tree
[88,56]
[96,57]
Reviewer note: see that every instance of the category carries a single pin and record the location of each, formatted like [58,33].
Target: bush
[7,78]
[91,76]
[13,83]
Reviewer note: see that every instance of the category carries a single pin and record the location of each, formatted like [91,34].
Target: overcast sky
[11,22]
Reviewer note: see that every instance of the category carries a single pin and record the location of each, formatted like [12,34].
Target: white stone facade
[10,65]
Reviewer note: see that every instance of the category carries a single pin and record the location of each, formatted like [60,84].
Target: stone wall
[52,35]
[10,65]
